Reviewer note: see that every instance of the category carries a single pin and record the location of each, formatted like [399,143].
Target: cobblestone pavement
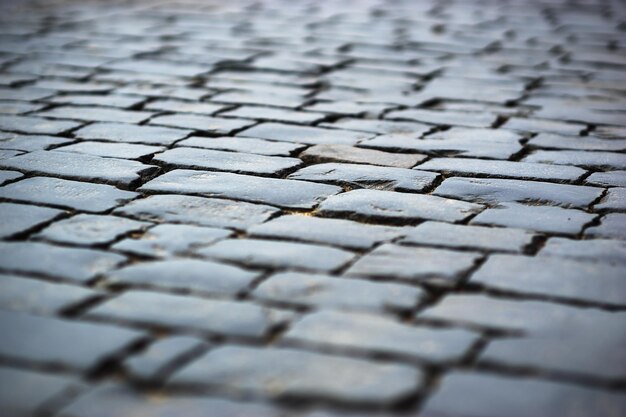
[313,209]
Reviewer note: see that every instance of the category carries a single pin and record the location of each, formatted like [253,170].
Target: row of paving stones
[419,206]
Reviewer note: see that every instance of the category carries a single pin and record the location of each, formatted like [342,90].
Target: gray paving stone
[184,107]
[152,362]
[614,200]
[108,399]
[470,237]
[31,143]
[111,150]
[24,93]
[583,143]
[544,126]
[185,275]
[593,250]
[383,127]
[249,145]
[78,264]
[538,218]
[110,100]
[391,206]
[90,229]
[610,178]
[121,132]
[297,374]
[96,114]
[274,115]
[6,176]
[153,66]
[273,191]
[358,331]
[554,277]
[201,123]
[609,160]
[350,154]
[94,198]
[45,341]
[167,240]
[368,176]
[16,107]
[612,226]
[80,166]
[443,118]
[36,125]
[502,169]
[316,290]
[243,163]
[71,86]
[465,394]
[435,266]
[197,210]
[496,190]
[303,134]
[334,232]
[184,312]
[20,218]
[24,393]
[348,108]
[7,154]
[34,296]
[276,254]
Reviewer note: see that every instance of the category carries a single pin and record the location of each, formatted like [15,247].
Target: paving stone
[435,266]
[316,290]
[153,66]
[615,199]
[185,275]
[613,225]
[184,107]
[6,154]
[31,143]
[554,277]
[36,125]
[297,374]
[478,143]
[496,190]
[71,86]
[120,132]
[503,169]
[90,229]
[78,264]
[344,153]
[112,150]
[384,127]
[486,395]
[248,145]
[273,191]
[583,143]
[34,296]
[80,166]
[274,115]
[24,393]
[348,108]
[16,107]
[391,206]
[94,198]
[277,254]
[607,160]
[303,134]
[44,342]
[24,94]
[544,126]
[448,118]
[21,218]
[335,232]
[610,178]
[110,100]
[184,312]
[96,114]
[468,237]
[6,176]
[212,125]
[197,210]
[593,250]
[367,176]
[153,361]
[167,240]
[108,399]
[539,218]
[358,331]
[245,163]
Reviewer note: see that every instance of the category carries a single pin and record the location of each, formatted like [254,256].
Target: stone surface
[612,225]
[610,178]
[296,374]
[90,229]
[614,200]
[201,123]
[21,218]
[272,191]
[36,125]
[120,132]
[112,150]
[303,134]
[351,154]
[153,361]
[96,114]
[7,176]
[318,290]
[248,145]
[31,143]
[593,250]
